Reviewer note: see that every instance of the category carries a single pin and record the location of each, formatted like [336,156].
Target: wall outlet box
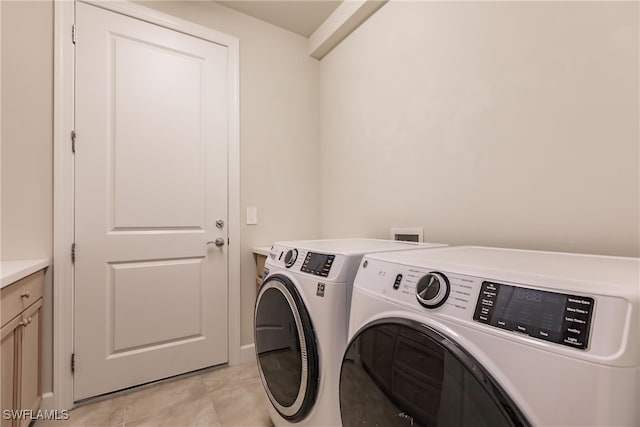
[407,234]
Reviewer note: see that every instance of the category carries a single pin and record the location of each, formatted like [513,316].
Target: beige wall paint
[27,129]
[508,124]
[27,144]
[279,136]
[279,133]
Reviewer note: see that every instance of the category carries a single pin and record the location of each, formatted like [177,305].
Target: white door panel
[168,191]
[134,282]
[151,180]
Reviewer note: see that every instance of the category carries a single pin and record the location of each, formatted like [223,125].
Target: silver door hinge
[73,252]
[73,362]
[73,141]
[73,33]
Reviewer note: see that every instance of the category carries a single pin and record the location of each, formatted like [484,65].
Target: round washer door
[398,372]
[286,348]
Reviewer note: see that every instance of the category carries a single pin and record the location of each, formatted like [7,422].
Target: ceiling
[299,16]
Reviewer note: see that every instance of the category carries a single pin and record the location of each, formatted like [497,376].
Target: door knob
[218,242]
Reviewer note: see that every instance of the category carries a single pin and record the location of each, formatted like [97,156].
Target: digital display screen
[317,261]
[550,316]
[530,307]
[318,264]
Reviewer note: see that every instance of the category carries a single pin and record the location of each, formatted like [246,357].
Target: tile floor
[230,396]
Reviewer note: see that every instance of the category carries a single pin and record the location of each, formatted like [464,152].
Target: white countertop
[262,250]
[13,271]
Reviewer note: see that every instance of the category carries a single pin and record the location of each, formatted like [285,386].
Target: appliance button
[519,327]
[541,333]
[547,335]
[432,290]
[573,341]
[486,302]
[490,286]
[396,283]
[579,301]
[577,310]
[503,324]
[290,257]
[488,294]
[575,320]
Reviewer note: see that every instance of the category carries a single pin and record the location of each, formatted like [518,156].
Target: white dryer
[468,336]
[301,321]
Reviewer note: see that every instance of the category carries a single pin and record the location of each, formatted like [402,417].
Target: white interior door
[151,182]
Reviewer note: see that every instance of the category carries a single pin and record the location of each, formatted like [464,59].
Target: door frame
[63,179]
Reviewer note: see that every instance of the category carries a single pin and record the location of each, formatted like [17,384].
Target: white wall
[27,145]
[279,133]
[510,124]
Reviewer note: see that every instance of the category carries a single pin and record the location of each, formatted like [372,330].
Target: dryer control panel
[550,316]
[317,264]
[327,266]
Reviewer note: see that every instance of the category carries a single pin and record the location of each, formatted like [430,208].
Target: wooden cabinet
[260,259]
[8,349]
[21,347]
[260,254]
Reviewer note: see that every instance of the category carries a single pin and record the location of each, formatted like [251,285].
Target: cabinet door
[30,358]
[8,373]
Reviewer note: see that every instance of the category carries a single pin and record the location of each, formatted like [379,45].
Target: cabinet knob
[25,295]
[25,322]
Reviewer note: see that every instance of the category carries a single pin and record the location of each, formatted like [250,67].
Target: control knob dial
[432,290]
[290,257]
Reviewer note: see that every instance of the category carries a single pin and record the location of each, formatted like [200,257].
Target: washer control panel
[550,316]
[580,316]
[566,319]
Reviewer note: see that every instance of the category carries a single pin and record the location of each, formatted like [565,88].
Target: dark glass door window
[401,373]
[286,348]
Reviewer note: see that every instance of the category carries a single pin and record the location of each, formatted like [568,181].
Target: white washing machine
[468,336]
[301,321]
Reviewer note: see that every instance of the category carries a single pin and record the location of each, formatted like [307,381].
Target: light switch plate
[252,215]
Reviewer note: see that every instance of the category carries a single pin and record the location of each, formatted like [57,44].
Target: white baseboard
[48,402]
[247,353]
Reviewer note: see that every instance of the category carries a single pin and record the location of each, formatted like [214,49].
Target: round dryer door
[286,348]
[398,372]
